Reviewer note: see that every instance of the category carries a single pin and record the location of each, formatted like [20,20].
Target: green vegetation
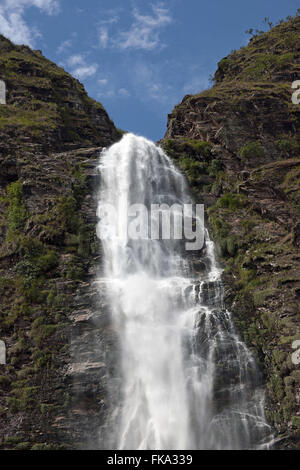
[17,212]
[262,63]
[49,105]
[252,150]
[288,146]
[187,148]
[232,201]
[196,160]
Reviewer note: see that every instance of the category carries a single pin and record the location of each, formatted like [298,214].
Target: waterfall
[186,380]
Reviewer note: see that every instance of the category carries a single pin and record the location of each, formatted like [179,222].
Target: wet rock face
[239,146]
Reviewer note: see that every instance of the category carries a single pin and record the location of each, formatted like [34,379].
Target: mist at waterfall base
[186,379]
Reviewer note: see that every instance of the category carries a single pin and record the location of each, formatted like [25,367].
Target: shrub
[231,201]
[247,225]
[17,212]
[284,59]
[231,245]
[23,446]
[252,150]
[67,213]
[5,286]
[47,447]
[214,167]
[12,440]
[31,289]
[200,147]
[4,381]
[47,262]
[13,404]
[42,358]
[33,268]
[25,397]
[84,239]
[28,269]
[287,145]
[189,148]
[224,64]
[191,167]
[30,247]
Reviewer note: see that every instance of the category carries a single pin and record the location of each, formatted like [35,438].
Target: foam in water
[187,380]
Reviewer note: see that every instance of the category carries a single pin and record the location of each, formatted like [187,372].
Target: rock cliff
[239,146]
[52,390]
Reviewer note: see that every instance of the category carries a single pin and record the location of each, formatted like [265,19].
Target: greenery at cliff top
[45,100]
[268,54]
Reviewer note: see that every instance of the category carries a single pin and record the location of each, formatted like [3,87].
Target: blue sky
[138,58]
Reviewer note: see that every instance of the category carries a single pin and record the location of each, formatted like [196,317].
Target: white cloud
[85,71]
[149,83]
[144,31]
[76,59]
[103,37]
[49,6]
[79,67]
[102,81]
[108,90]
[13,24]
[123,92]
[64,46]
[114,17]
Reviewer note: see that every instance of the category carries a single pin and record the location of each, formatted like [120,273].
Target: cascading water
[187,380]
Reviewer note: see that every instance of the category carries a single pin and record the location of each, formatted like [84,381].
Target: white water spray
[187,380]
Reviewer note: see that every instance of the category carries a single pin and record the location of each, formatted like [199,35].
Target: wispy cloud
[64,46]
[196,84]
[111,17]
[143,33]
[150,84]
[109,90]
[76,59]
[123,92]
[79,67]
[85,71]
[13,24]
[103,36]
[102,81]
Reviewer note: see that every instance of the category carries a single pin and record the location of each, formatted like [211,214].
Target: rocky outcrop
[46,107]
[239,146]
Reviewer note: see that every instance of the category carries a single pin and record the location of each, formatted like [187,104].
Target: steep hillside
[51,133]
[239,146]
